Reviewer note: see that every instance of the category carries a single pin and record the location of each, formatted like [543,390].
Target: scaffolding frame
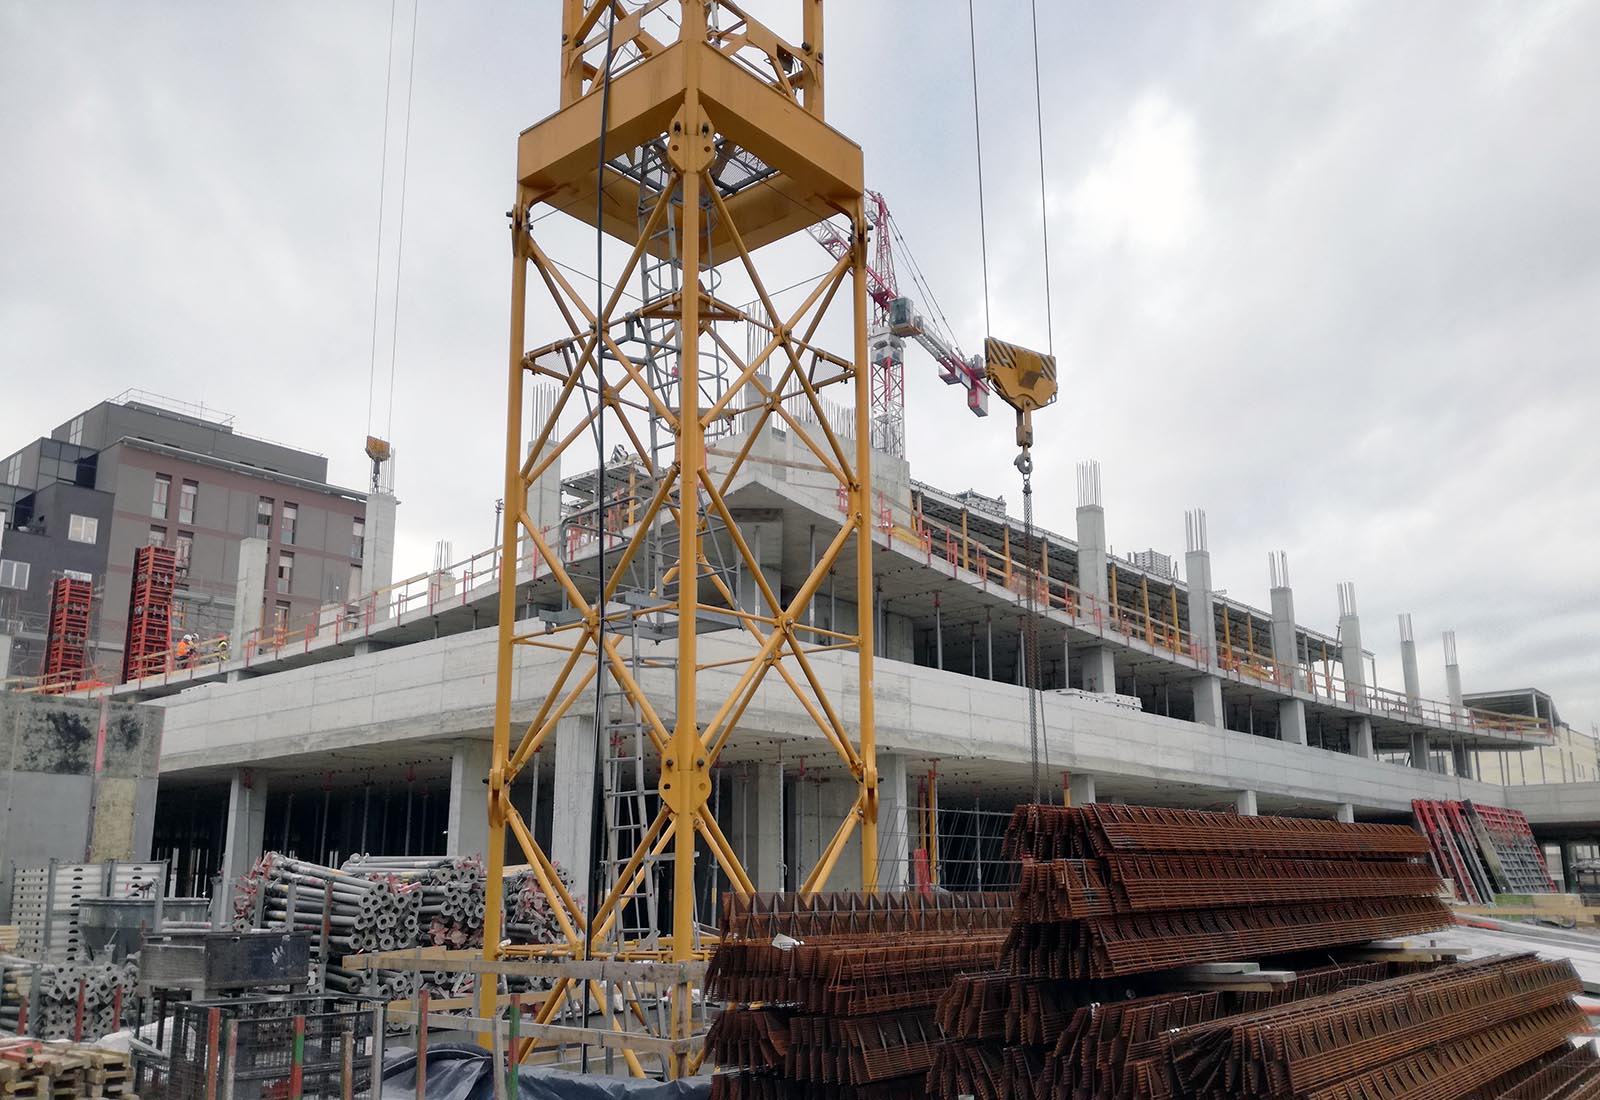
[748,161]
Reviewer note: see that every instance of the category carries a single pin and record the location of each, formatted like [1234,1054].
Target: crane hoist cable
[1025,380]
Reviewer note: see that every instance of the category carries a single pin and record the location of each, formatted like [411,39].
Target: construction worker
[222,648]
[185,652]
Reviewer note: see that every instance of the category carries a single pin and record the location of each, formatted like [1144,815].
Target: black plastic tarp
[459,1071]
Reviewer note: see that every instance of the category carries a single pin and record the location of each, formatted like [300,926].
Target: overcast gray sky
[1329,270]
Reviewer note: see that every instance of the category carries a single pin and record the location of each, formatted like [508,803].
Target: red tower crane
[895,317]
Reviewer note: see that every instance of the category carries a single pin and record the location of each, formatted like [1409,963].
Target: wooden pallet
[35,1070]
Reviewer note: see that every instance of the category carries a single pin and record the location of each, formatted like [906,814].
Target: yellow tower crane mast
[694,135]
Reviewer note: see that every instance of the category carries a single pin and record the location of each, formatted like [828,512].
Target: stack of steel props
[834,995]
[1109,891]
[450,893]
[73,1000]
[360,913]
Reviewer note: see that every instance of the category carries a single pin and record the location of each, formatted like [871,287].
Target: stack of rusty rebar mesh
[833,995]
[1087,1001]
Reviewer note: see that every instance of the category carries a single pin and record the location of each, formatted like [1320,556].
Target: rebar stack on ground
[833,995]
[76,1000]
[1109,891]
[1112,895]
[1443,1033]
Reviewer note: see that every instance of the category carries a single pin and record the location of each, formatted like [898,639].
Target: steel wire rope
[595,877]
[400,232]
[377,262]
[1038,734]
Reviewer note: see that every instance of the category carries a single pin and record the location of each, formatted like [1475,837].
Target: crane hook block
[1025,379]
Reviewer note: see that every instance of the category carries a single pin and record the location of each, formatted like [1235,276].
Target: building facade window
[183,548]
[285,574]
[358,539]
[14,469]
[264,518]
[280,617]
[83,529]
[291,516]
[158,536]
[187,495]
[75,430]
[161,497]
[14,574]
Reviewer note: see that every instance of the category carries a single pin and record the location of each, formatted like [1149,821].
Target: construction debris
[834,994]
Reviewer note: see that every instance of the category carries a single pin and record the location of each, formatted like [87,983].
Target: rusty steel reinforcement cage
[310,1047]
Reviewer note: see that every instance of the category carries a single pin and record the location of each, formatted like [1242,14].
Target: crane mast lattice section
[711,133]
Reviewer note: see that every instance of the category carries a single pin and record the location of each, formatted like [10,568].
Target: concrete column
[543,502]
[1452,676]
[815,811]
[1461,756]
[1080,788]
[1244,803]
[1345,812]
[250,591]
[467,829]
[1361,738]
[1351,660]
[894,823]
[1202,619]
[1292,721]
[1286,652]
[1099,670]
[763,533]
[1419,750]
[1408,666]
[246,832]
[1285,636]
[757,822]
[377,566]
[572,820]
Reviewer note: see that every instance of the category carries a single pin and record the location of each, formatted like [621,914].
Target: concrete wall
[81,786]
[442,689]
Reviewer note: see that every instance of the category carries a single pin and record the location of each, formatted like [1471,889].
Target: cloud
[1327,271]
[1143,190]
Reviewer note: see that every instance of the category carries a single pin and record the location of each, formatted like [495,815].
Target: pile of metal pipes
[450,891]
[74,1000]
[351,913]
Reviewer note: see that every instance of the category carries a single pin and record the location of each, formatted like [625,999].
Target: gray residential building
[138,470]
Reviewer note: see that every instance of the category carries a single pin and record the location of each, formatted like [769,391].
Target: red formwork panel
[67,642]
[155,570]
